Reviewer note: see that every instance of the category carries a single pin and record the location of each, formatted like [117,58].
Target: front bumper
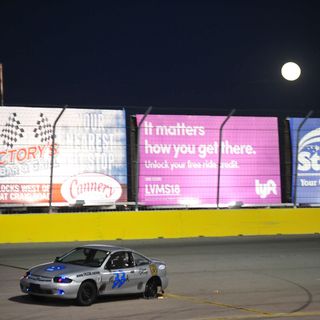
[49,289]
[164,282]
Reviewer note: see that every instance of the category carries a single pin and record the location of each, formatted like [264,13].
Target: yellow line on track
[215,303]
[258,314]
[270,316]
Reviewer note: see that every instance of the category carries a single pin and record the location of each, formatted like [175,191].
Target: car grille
[35,288]
[39,278]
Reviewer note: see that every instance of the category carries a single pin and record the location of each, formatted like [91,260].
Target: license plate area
[33,287]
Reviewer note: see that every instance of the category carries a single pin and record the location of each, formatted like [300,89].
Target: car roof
[105,247]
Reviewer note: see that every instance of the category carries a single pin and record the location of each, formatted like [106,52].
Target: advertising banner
[308,166]
[179,160]
[89,156]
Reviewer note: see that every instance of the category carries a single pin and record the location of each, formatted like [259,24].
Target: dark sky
[219,54]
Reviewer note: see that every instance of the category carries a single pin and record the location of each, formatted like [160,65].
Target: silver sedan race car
[89,271]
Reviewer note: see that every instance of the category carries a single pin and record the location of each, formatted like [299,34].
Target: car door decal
[143,271]
[119,280]
[153,269]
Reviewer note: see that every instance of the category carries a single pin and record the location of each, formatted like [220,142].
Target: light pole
[1,85]
[291,72]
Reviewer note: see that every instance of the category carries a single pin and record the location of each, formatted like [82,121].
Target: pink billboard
[179,157]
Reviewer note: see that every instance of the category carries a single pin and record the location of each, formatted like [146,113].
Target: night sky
[174,55]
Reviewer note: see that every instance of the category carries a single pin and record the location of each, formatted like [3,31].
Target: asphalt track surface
[210,278]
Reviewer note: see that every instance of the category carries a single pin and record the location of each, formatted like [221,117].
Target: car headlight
[62,279]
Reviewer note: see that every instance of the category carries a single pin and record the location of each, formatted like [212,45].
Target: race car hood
[53,269]
[157,261]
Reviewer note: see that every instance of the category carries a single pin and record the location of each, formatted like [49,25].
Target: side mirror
[57,259]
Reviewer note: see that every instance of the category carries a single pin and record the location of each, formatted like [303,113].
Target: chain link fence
[72,159]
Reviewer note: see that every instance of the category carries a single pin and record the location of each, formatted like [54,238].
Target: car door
[142,271]
[118,274]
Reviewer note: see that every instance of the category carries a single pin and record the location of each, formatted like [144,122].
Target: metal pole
[1,85]
[52,155]
[296,158]
[219,159]
[138,157]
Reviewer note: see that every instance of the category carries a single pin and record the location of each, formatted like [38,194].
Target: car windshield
[88,257]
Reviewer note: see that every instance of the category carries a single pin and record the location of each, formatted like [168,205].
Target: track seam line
[13,267]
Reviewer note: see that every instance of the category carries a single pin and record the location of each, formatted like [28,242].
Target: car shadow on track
[26,299]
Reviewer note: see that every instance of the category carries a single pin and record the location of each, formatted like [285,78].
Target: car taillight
[62,279]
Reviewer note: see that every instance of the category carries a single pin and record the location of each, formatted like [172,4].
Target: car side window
[119,260]
[85,256]
[139,260]
[100,256]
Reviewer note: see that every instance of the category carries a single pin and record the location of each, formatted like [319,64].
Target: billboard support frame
[1,86]
[138,157]
[296,158]
[231,113]
[52,156]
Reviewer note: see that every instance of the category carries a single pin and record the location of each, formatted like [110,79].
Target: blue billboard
[306,160]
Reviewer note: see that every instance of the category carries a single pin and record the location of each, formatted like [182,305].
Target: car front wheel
[151,290]
[87,293]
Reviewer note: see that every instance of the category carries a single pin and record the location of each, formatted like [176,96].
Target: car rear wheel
[151,290]
[87,293]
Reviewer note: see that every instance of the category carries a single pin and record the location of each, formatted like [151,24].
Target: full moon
[290,71]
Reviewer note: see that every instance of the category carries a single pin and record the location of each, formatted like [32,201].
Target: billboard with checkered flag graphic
[12,131]
[89,156]
[43,129]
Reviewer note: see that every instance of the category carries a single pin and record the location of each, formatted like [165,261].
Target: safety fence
[94,226]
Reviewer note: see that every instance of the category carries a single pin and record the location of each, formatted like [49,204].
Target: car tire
[87,293]
[151,290]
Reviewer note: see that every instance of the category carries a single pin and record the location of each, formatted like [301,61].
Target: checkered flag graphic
[43,131]
[12,131]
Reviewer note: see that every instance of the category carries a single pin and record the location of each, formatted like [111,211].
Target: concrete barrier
[18,228]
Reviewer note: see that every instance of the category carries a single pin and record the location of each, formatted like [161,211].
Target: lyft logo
[264,189]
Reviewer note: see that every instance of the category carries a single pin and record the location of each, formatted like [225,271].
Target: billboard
[179,160]
[89,156]
[308,157]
